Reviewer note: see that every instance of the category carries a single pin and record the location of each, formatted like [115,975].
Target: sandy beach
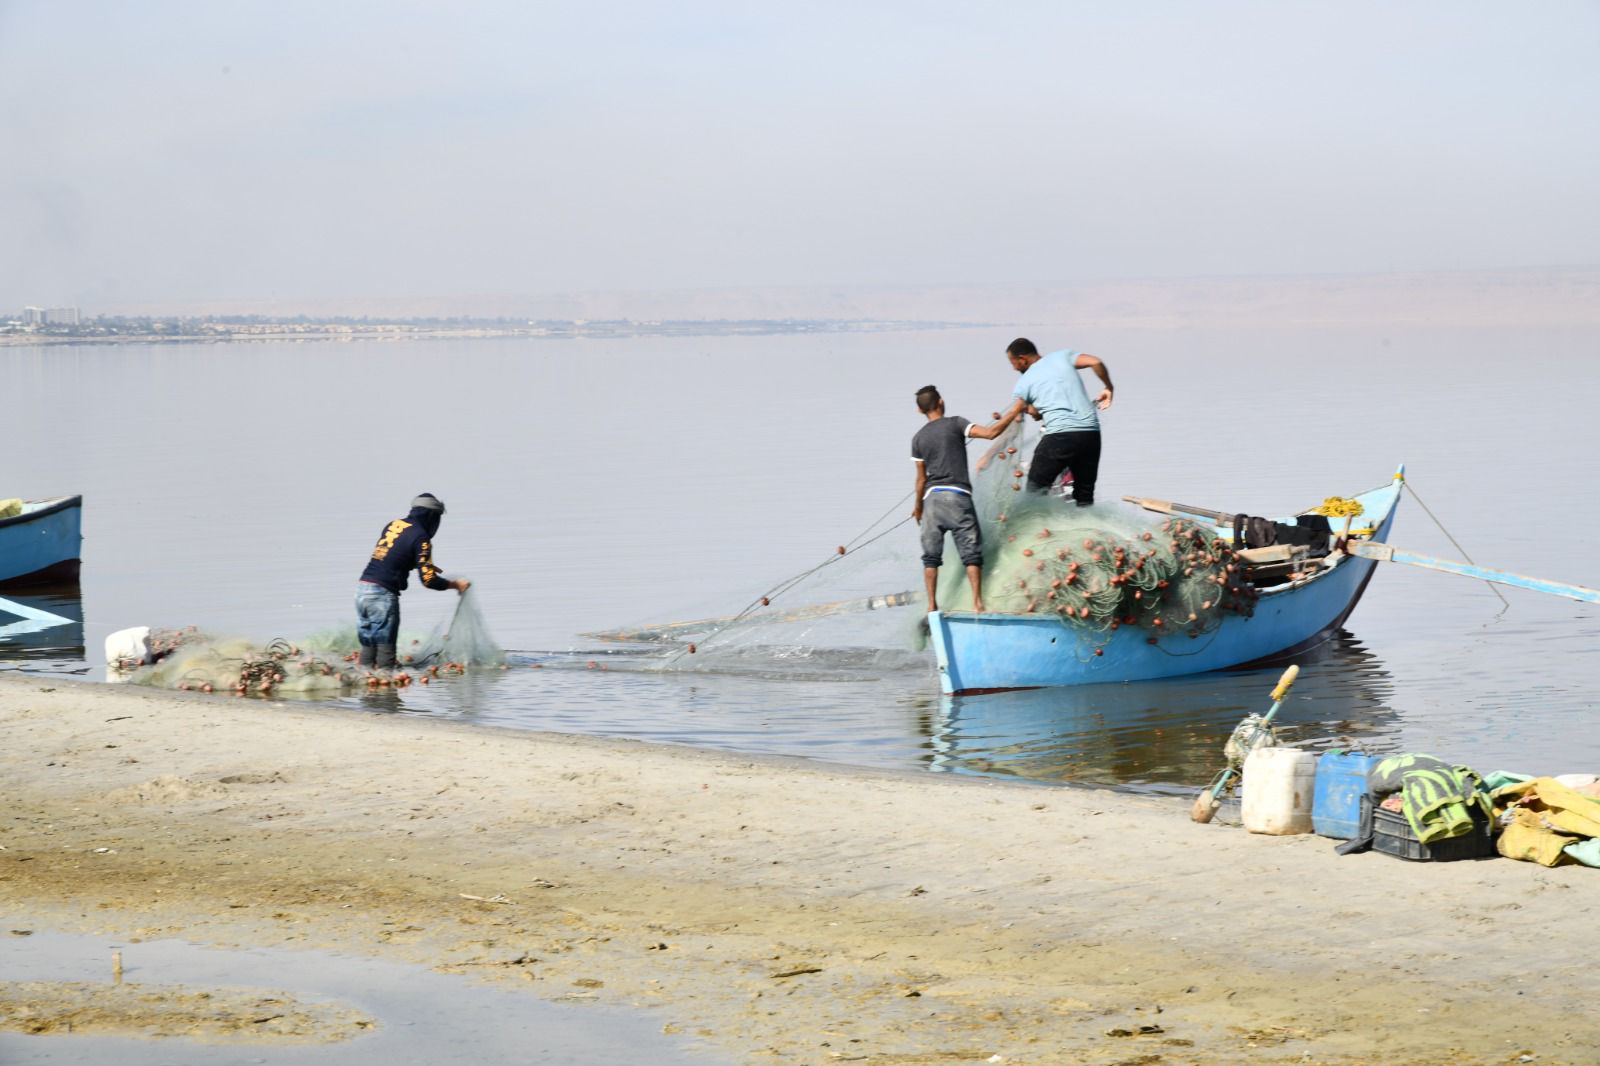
[774,909]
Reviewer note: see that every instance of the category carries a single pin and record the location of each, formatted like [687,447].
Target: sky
[169,153]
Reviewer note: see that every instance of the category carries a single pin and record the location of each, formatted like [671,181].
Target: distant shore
[782,910]
[1512,298]
[214,333]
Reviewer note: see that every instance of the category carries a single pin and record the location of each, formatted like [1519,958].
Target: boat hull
[995,652]
[42,546]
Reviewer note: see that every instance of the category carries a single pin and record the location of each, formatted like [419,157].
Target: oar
[1386,553]
[1209,799]
[672,630]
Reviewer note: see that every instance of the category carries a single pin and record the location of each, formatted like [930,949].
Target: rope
[1411,489]
[850,547]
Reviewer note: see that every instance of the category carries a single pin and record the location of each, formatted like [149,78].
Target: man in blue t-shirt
[1051,390]
[944,491]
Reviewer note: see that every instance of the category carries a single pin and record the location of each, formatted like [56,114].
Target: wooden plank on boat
[1274,553]
[1222,518]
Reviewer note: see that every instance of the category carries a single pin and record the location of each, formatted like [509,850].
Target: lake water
[598,484]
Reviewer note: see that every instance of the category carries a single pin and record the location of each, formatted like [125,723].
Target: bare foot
[977,606]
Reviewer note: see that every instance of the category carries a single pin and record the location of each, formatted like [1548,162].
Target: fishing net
[190,660]
[323,664]
[1100,568]
[1252,733]
[851,616]
[1096,569]
[462,638]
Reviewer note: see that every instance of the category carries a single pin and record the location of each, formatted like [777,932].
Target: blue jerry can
[1336,795]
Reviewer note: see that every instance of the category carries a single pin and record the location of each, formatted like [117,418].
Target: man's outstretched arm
[990,432]
[432,576]
[1091,362]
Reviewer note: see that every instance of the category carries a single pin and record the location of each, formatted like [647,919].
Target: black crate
[1392,835]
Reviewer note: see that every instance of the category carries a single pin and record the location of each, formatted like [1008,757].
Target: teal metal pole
[1385,553]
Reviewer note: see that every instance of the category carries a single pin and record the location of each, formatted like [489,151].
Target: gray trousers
[953,513]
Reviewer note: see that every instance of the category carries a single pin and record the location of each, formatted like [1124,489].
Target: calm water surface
[593,485]
[423,1018]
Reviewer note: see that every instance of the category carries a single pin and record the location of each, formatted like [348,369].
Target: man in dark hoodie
[406,544]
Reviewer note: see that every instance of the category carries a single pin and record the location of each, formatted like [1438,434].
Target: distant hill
[1511,297]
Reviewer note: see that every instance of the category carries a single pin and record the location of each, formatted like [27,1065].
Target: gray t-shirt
[941,446]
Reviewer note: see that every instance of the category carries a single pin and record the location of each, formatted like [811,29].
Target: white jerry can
[1278,787]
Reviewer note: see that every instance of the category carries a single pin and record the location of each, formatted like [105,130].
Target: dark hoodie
[406,544]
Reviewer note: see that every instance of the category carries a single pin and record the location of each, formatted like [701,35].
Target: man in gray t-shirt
[944,491]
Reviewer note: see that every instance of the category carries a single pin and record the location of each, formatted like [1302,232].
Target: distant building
[33,316]
[61,316]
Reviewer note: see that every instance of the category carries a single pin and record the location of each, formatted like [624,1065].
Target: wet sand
[778,910]
[209,1015]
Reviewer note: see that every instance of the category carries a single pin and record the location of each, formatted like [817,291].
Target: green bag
[1441,801]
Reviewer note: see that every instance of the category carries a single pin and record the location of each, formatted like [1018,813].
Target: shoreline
[777,909]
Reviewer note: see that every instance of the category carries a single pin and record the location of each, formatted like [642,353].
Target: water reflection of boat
[41,545]
[44,623]
[990,652]
[1154,733]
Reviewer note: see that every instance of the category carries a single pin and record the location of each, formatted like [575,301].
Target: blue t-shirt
[1053,386]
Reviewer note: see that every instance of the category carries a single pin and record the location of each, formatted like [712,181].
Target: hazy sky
[164,152]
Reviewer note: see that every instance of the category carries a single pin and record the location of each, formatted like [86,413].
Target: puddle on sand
[423,1018]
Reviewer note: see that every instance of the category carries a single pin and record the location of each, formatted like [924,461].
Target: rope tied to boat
[1505,603]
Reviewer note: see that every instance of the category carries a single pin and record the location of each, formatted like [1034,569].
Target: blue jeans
[377,615]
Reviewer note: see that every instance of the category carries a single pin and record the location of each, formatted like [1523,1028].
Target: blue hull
[42,545]
[992,652]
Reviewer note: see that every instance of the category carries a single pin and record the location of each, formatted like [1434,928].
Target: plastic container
[1278,788]
[1392,835]
[1336,799]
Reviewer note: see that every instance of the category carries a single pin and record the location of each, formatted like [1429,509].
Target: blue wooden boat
[992,652]
[41,545]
